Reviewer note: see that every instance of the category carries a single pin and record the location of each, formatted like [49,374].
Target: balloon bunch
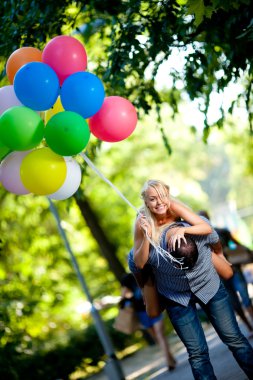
[43,116]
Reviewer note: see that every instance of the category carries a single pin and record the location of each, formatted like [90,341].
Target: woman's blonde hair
[163,192]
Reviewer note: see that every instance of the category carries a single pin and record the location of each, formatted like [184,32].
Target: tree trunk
[107,249]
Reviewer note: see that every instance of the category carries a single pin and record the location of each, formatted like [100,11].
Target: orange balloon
[19,58]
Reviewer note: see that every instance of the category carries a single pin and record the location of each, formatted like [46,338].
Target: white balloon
[71,183]
[10,173]
[8,98]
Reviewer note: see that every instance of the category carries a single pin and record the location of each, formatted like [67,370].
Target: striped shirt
[178,284]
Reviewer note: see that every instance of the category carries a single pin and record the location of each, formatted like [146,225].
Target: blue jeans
[189,329]
[240,285]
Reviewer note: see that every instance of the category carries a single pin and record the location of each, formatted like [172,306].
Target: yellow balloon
[42,171]
[57,107]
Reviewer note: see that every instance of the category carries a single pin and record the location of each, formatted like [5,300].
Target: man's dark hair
[188,251]
[204,213]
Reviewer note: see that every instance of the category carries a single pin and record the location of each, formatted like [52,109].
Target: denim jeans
[240,285]
[189,329]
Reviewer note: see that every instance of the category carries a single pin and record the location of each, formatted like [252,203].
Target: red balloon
[115,121]
[66,56]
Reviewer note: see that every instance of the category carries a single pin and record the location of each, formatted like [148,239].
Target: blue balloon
[37,86]
[83,93]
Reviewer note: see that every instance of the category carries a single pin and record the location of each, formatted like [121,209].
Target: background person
[237,285]
[155,326]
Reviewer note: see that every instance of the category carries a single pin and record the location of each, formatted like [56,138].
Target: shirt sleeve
[213,237]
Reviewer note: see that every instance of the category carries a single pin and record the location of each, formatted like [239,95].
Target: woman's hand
[145,226]
[175,236]
[141,242]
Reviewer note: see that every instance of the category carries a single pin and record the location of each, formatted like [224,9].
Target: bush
[82,350]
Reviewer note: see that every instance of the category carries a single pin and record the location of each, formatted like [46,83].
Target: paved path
[148,363]
[225,366]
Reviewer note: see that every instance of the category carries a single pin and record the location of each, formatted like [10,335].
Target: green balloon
[67,133]
[21,128]
[4,150]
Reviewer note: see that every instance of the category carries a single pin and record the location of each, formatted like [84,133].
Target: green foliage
[39,289]
[31,23]
[130,40]
[78,352]
[196,8]
[127,44]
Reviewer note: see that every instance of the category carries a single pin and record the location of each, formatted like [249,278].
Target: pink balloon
[8,98]
[66,55]
[115,121]
[10,173]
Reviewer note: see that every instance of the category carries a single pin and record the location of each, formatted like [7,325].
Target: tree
[39,290]
[214,37]
[107,248]
[130,40]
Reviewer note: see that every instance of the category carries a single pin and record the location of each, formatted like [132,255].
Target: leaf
[209,12]
[196,8]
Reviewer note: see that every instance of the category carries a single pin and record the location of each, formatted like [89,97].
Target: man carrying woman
[161,226]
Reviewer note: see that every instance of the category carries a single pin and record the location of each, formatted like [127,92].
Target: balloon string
[89,162]
[158,249]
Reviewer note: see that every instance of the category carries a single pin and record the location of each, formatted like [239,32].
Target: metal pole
[112,368]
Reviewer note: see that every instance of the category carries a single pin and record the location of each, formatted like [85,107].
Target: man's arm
[217,248]
[221,264]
